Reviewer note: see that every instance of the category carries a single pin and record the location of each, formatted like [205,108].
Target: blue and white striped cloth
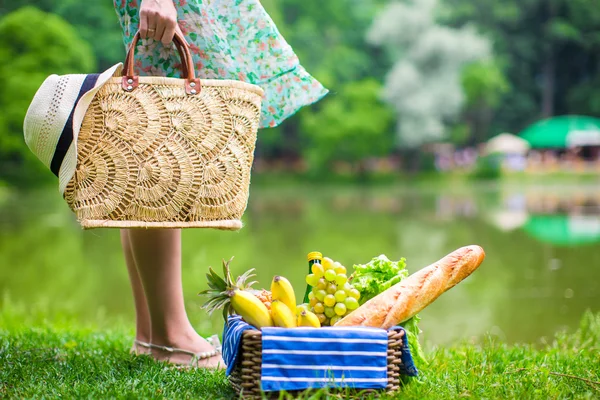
[302,358]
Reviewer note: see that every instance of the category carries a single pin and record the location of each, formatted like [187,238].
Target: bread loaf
[407,298]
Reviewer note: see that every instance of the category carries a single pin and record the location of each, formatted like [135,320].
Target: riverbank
[48,359]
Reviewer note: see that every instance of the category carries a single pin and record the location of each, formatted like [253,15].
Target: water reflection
[539,276]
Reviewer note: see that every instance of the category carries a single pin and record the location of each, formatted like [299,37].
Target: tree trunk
[549,67]
[549,84]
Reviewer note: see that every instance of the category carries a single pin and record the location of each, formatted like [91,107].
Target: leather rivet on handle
[193,84]
[130,87]
[130,81]
[193,91]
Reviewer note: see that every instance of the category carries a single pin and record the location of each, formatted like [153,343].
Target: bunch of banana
[259,308]
[284,301]
[284,305]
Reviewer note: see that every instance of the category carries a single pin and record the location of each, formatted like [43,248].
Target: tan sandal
[195,357]
[140,348]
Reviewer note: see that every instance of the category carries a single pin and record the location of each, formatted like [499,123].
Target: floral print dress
[229,39]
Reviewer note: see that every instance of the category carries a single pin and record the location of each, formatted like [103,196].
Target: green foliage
[484,84]
[488,167]
[424,84]
[329,38]
[95,22]
[33,45]
[351,126]
[538,43]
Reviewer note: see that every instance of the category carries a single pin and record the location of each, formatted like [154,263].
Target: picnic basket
[246,376]
[159,152]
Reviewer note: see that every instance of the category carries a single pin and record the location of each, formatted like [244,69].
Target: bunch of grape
[332,296]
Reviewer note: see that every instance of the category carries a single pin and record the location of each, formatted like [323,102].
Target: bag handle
[192,84]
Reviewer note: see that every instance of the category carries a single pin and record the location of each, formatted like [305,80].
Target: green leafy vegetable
[376,277]
[412,334]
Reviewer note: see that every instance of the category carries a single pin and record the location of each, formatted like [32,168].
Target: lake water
[542,269]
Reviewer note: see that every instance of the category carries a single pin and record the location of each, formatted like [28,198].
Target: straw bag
[156,152]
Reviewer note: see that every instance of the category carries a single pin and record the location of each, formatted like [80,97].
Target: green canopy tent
[563,132]
[563,230]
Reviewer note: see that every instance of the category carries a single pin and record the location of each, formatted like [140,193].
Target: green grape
[321,294]
[313,301]
[340,309]
[334,320]
[329,300]
[312,279]
[331,288]
[322,318]
[311,294]
[326,323]
[351,303]
[327,263]
[348,287]
[322,284]
[330,275]
[329,312]
[339,268]
[355,293]
[319,308]
[340,296]
[318,270]
[341,279]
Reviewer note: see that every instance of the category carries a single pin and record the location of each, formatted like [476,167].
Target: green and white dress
[229,39]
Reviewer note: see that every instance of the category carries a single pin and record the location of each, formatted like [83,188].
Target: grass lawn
[41,359]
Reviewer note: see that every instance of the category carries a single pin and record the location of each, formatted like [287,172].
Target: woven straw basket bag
[156,152]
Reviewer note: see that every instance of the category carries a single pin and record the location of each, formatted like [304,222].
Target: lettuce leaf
[376,277]
[412,334]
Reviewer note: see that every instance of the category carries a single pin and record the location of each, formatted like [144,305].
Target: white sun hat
[55,115]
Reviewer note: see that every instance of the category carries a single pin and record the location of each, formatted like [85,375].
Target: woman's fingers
[158,20]
[160,29]
[168,34]
[143,24]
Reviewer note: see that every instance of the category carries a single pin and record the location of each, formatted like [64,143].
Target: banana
[252,310]
[281,289]
[282,315]
[307,318]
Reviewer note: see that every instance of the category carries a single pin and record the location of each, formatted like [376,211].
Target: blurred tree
[329,38]
[95,22]
[424,86]
[484,85]
[33,45]
[351,127]
[548,49]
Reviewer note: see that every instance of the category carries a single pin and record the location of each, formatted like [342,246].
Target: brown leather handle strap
[192,84]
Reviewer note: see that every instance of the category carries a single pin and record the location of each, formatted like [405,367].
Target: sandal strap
[195,356]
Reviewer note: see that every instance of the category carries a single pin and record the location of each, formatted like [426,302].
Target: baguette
[405,299]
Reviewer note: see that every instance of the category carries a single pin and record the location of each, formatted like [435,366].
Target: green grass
[41,359]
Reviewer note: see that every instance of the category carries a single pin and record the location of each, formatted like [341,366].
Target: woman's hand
[158,20]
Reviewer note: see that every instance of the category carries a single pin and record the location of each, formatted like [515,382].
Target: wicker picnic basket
[245,378]
[156,152]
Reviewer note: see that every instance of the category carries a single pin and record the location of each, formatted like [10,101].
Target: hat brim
[67,168]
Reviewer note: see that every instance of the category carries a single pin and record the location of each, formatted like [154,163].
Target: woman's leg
[142,317]
[157,255]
